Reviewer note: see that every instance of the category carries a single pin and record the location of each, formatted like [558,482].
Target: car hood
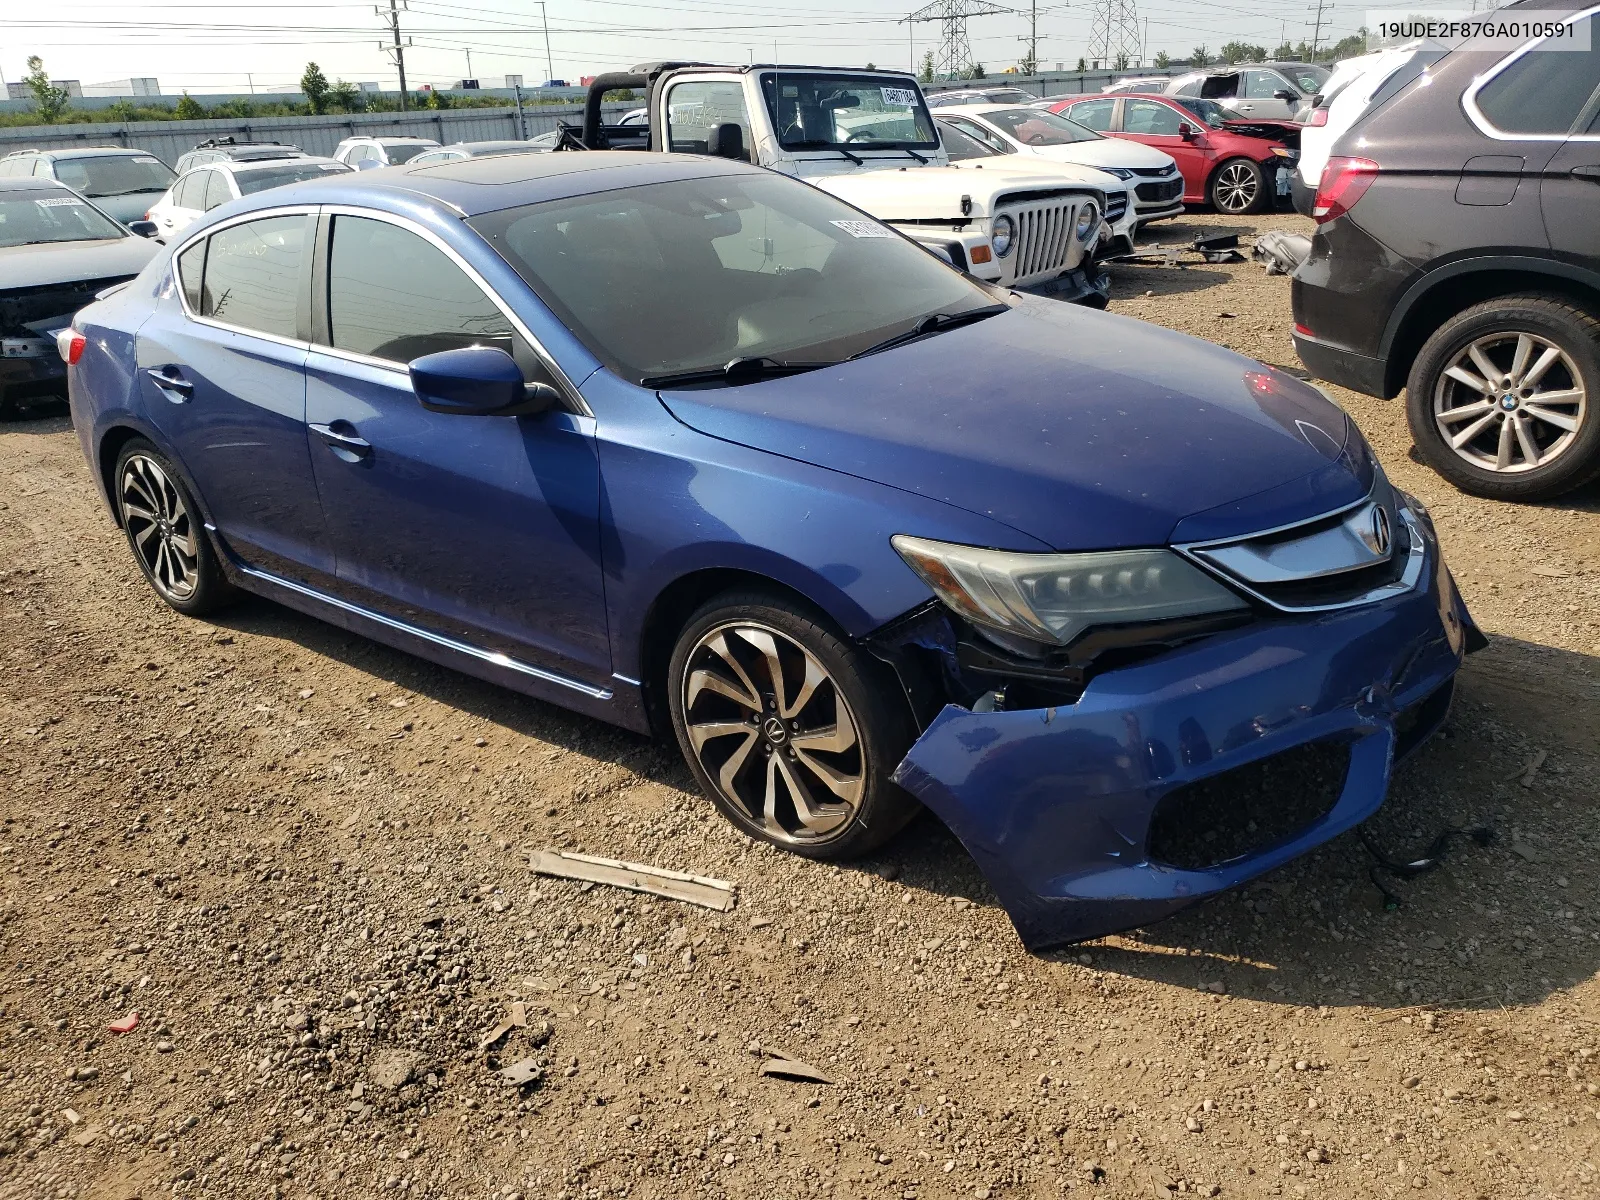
[935,193]
[1106,152]
[1030,164]
[68,262]
[131,207]
[1082,429]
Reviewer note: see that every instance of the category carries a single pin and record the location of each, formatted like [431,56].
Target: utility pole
[469,64]
[549,63]
[1316,29]
[522,122]
[396,50]
[954,57]
[1032,61]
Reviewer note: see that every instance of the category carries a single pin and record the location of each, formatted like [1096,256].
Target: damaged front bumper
[1129,804]
[1088,285]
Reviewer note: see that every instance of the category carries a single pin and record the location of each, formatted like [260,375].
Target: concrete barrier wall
[315,135]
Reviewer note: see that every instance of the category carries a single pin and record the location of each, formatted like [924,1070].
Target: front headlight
[1119,172]
[1052,598]
[1001,236]
[1088,220]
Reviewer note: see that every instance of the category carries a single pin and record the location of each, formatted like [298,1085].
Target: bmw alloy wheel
[159,526]
[1237,187]
[773,731]
[1510,402]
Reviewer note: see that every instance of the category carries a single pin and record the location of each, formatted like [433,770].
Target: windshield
[1039,127]
[1308,78]
[114,174]
[406,151]
[1209,111]
[54,215]
[960,146]
[691,275]
[824,112]
[271,177]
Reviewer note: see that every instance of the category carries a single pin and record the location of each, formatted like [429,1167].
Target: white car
[974,153]
[1348,93]
[197,192]
[365,153]
[1157,184]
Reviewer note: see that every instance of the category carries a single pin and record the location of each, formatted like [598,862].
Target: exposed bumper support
[1087,285]
[1056,805]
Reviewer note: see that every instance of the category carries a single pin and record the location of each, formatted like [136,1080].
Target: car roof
[95,152]
[268,164]
[361,137]
[484,147]
[31,183]
[469,187]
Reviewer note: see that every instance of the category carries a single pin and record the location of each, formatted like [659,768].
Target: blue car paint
[1055,805]
[801,481]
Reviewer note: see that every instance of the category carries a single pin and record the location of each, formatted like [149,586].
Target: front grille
[1153,193]
[36,309]
[1116,206]
[1150,172]
[1249,809]
[1044,239]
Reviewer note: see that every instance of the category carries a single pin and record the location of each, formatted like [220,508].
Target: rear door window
[375,307]
[1149,119]
[1544,92]
[252,275]
[191,191]
[217,191]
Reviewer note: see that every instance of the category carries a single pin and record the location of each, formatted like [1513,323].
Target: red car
[1235,166]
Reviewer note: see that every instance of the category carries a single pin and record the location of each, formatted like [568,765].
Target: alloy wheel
[1237,188]
[159,527]
[773,732]
[1510,402]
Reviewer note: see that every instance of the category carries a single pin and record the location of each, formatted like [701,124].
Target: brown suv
[1457,254]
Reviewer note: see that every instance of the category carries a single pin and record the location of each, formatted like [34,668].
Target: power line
[1114,33]
[953,59]
[396,50]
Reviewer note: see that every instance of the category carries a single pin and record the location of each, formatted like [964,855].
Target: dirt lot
[303,860]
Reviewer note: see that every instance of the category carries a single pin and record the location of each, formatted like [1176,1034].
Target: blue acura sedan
[686,445]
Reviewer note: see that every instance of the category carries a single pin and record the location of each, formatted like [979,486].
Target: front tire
[166,533]
[1504,399]
[790,730]
[1239,186]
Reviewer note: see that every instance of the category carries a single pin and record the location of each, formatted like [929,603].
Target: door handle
[348,446]
[173,385]
[1591,172]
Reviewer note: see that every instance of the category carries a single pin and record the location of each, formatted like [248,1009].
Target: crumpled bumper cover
[1055,805]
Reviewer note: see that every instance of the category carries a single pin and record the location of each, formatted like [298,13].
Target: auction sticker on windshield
[863,229]
[59,202]
[900,97]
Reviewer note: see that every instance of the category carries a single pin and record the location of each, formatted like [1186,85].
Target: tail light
[1344,181]
[70,344]
[1319,118]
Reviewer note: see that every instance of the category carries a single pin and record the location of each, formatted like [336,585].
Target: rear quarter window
[1543,92]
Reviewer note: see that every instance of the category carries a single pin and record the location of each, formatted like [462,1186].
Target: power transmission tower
[396,50]
[1031,63]
[953,58]
[1114,33]
[1321,7]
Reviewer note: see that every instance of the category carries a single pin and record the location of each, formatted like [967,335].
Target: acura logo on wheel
[1378,539]
[775,730]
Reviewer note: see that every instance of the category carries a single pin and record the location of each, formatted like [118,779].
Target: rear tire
[1239,186]
[1504,399]
[790,730]
[166,532]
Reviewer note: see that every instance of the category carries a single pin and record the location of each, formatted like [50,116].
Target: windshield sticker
[59,202]
[900,97]
[332,166]
[863,229]
[152,161]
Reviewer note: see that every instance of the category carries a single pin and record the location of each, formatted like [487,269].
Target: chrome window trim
[1411,573]
[493,657]
[1469,98]
[298,210]
[517,323]
[563,381]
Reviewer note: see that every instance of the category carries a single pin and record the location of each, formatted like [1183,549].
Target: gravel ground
[302,859]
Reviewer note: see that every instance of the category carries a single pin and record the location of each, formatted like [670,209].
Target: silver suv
[365,153]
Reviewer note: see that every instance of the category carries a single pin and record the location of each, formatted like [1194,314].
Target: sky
[219,47]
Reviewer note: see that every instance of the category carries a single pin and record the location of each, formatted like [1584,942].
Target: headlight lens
[1052,598]
[1119,172]
[1000,238]
[1088,221]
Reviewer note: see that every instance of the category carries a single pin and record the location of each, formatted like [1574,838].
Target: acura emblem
[1378,539]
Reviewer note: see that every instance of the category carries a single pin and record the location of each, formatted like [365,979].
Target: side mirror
[144,228]
[726,141]
[367,164]
[477,381]
[1188,132]
[1286,95]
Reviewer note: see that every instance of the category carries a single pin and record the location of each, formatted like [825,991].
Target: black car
[1457,255]
[56,251]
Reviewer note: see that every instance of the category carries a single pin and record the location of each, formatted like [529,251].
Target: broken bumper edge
[1089,285]
[1056,805]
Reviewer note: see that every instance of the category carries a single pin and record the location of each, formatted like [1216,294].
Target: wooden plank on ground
[658,881]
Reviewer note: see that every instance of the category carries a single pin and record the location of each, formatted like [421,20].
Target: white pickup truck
[868,138]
